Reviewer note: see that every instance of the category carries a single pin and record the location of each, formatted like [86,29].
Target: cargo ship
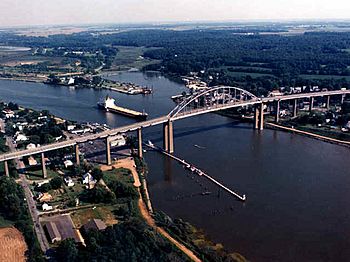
[109,105]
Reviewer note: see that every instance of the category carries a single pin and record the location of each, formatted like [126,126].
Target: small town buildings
[71,127]
[88,178]
[31,146]
[32,161]
[52,231]
[46,207]
[118,140]
[94,224]
[68,163]
[8,113]
[20,137]
[69,182]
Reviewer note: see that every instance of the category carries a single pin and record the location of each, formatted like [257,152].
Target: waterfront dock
[197,171]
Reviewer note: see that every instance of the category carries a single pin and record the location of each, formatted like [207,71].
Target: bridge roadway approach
[210,100]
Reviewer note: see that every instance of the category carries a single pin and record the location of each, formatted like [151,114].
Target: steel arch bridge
[213,99]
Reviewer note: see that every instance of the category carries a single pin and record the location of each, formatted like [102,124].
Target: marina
[197,171]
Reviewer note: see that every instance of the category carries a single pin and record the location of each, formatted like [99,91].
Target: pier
[196,170]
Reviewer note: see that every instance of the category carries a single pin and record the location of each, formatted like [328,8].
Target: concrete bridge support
[277,116]
[168,137]
[295,107]
[43,165]
[256,117]
[77,154]
[139,140]
[6,169]
[171,137]
[261,117]
[328,103]
[342,99]
[311,104]
[108,151]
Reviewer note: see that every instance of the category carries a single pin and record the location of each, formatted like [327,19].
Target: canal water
[297,188]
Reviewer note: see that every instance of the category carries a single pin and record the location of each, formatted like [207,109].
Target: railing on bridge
[218,97]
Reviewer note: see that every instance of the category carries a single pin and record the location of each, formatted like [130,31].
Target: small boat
[200,147]
[150,143]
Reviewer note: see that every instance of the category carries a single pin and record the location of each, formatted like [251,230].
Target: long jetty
[197,171]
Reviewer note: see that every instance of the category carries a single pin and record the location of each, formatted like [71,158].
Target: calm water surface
[298,189]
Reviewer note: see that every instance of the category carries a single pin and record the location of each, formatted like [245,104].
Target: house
[32,161]
[94,224]
[118,140]
[8,113]
[71,127]
[88,178]
[46,207]
[68,163]
[52,231]
[20,137]
[31,146]
[69,182]
[275,93]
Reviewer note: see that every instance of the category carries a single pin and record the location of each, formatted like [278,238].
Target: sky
[49,12]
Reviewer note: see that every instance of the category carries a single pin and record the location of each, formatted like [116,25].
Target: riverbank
[309,134]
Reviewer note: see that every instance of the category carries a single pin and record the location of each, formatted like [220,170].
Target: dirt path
[12,245]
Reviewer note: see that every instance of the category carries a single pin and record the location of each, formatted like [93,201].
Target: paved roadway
[160,120]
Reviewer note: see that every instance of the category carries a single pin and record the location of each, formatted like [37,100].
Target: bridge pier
[256,117]
[108,152]
[277,116]
[139,140]
[311,104]
[6,169]
[261,117]
[342,99]
[171,137]
[77,156]
[295,107]
[166,137]
[328,103]
[43,165]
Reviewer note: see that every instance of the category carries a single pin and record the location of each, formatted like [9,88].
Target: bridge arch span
[213,99]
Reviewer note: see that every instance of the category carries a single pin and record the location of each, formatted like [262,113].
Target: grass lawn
[105,213]
[131,57]
[120,174]
[38,175]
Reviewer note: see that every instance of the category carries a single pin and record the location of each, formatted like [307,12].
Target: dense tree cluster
[129,241]
[13,208]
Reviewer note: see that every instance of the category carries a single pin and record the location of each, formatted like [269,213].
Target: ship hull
[121,112]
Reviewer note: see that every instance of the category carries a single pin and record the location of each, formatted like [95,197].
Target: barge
[109,105]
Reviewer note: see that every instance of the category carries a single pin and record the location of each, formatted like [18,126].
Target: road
[30,201]
[44,244]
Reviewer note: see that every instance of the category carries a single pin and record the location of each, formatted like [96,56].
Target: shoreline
[309,134]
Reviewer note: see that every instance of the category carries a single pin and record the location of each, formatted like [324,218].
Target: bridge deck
[160,120]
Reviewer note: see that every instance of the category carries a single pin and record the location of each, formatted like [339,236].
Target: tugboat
[109,105]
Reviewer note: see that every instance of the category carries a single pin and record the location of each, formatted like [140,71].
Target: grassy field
[104,213]
[321,77]
[38,175]
[120,174]
[131,57]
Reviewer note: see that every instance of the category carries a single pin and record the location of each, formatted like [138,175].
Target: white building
[31,146]
[118,140]
[46,207]
[88,178]
[69,182]
[68,163]
[8,113]
[20,137]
